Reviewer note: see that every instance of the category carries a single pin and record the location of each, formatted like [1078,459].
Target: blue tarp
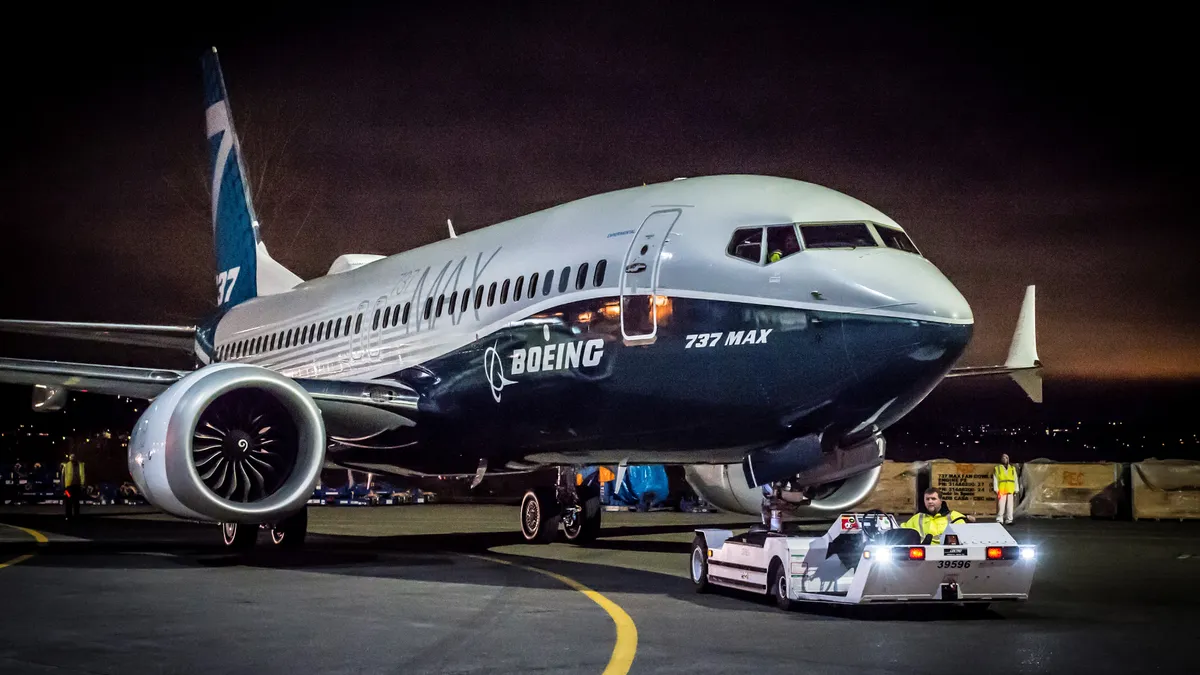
[641,481]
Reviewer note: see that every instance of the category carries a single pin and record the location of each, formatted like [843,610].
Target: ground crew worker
[936,516]
[1006,486]
[73,480]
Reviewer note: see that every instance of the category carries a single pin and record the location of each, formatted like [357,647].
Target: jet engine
[843,479]
[229,443]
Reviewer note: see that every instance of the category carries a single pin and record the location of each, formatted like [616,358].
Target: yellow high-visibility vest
[932,524]
[1006,479]
[69,476]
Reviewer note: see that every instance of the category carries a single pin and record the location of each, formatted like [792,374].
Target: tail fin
[244,268]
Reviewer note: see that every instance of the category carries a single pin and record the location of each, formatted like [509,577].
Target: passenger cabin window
[533,285]
[747,244]
[838,235]
[428,307]
[478,298]
[358,324]
[466,299]
[387,316]
[581,277]
[517,288]
[893,238]
[548,283]
[492,294]
[441,303]
[453,302]
[564,279]
[598,278]
[781,242]
[504,292]
[407,307]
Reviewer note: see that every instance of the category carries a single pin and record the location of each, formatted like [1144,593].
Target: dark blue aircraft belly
[719,376]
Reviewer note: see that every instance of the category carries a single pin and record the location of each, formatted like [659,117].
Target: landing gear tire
[585,528]
[779,587]
[290,532]
[539,516]
[239,537]
[699,566]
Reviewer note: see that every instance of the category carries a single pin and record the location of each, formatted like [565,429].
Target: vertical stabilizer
[244,268]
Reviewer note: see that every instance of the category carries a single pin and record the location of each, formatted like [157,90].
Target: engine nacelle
[844,478]
[229,443]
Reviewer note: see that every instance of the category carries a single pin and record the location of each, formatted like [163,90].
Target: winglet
[1022,353]
[450,225]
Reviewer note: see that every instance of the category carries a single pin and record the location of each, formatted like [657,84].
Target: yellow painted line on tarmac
[41,540]
[626,644]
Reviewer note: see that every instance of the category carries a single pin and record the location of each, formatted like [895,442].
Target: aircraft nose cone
[915,286]
[938,298]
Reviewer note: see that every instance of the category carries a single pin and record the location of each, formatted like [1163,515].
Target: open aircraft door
[639,278]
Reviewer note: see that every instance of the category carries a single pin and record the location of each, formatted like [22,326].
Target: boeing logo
[493,370]
[546,358]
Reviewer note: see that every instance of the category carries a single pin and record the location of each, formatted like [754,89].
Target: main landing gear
[288,533]
[571,502]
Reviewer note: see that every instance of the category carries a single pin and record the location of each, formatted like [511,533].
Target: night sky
[1015,147]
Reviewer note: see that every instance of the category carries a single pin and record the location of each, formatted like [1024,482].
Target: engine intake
[229,443]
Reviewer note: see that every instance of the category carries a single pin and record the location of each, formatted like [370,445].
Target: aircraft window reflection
[781,242]
[598,279]
[840,235]
[747,244]
[893,238]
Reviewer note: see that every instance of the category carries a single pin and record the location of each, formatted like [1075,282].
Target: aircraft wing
[348,404]
[114,380]
[170,337]
[1022,364]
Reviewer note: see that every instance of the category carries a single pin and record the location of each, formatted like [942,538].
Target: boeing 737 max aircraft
[762,332]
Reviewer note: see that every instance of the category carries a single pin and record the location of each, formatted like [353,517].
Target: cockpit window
[747,244]
[781,242]
[893,238]
[837,235]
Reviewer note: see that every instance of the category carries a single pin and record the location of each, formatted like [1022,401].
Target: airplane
[763,332]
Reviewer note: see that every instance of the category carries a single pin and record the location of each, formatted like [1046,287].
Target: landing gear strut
[573,503]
